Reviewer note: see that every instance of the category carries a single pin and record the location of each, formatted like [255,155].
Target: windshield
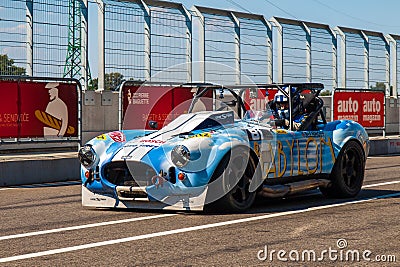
[248,104]
[261,117]
[217,99]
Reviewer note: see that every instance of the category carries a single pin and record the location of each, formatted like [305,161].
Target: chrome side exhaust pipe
[293,188]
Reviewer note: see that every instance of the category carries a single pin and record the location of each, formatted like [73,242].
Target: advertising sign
[38,109]
[257,98]
[162,104]
[364,107]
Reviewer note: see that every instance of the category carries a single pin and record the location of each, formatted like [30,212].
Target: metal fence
[14,25]
[165,41]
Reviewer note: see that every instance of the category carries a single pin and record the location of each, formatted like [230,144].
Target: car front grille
[129,173]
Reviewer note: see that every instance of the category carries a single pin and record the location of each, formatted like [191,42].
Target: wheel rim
[240,192]
[350,168]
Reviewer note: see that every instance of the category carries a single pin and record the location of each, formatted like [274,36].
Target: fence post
[387,63]
[393,64]
[29,37]
[236,22]
[308,52]
[189,36]
[342,57]
[201,49]
[268,43]
[84,44]
[147,40]
[334,59]
[279,49]
[101,42]
[366,59]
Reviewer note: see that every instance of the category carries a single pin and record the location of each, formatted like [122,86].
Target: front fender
[347,130]
[207,153]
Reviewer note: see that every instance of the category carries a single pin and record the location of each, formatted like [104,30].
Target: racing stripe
[140,152]
[138,148]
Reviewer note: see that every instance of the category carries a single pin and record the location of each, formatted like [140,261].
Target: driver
[282,111]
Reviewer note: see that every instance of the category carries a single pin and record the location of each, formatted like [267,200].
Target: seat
[312,106]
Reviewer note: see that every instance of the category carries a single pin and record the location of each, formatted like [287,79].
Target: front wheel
[233,177]
[348,172]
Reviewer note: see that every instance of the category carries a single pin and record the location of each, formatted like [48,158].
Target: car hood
[185,124]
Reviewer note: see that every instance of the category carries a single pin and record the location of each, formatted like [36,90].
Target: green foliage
[93,84]
[7,67]
[326,93]
[111,81]
[379,86]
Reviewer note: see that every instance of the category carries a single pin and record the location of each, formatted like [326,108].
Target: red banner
[366,108]
[162,104]
[256,99]
[38,109]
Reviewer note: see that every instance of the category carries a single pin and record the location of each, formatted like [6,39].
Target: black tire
[232,178]
[348,172]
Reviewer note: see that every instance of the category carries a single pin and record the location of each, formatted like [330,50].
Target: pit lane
[46,226]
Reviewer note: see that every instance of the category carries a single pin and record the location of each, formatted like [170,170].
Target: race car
[229,147]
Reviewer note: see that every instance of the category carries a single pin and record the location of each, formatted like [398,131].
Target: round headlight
[87,156]
[180,156]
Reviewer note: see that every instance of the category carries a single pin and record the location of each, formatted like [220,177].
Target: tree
[7,67]
[111,81]
[93,84]
[326,93]
[379,86]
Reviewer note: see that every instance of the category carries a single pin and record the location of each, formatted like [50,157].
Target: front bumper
[193,202]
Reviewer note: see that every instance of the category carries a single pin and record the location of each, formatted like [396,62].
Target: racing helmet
[280,97]
[282,103]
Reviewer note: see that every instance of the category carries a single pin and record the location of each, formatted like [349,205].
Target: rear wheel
[348,172]
[233,177]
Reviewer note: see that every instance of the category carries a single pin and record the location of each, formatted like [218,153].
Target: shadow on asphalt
[301,201]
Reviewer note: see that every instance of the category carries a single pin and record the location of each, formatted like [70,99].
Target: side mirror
[153,124]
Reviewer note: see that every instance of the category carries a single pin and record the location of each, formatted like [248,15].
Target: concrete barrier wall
[392,115]
[384,145]
[38,168]
[99,113]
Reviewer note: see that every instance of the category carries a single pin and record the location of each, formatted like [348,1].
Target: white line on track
[7,188]
[380,184]
[84,226]
[79,227]
[187,229]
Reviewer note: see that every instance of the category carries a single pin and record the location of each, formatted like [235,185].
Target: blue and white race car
[225,151]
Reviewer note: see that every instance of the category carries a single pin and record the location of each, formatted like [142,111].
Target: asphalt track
[45,225]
